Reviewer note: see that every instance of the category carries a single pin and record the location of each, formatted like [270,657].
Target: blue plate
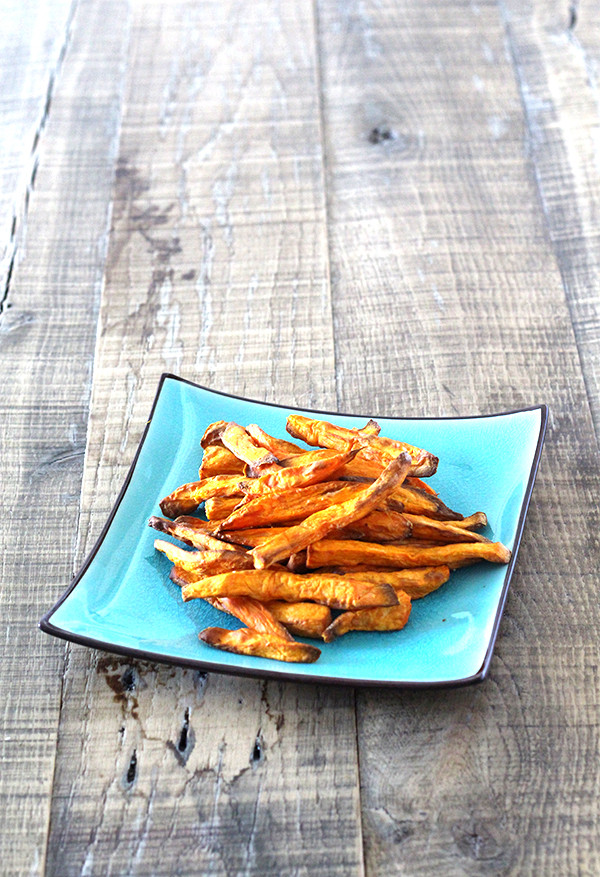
[123,601]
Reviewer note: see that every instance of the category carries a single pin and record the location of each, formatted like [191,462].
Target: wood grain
[448,299]
[47,333]
[218,270]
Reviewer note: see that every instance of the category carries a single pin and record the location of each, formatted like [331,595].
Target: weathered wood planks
[447,298]
[218,270]
[47,334]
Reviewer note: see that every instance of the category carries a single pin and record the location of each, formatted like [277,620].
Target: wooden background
[378,206]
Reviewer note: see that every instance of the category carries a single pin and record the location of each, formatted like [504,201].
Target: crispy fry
[212,434]
[301,619]
[262,645]
[268,584]
[418,502]
[243,446]
[277,446]
[378,526]
[411,481]
[250,537]
[441,531]
[347,552]
[252,613]
[479,519]
[204,563]
[188,497]
[217,460]
[288,505]
[188,531]
[320,432]
[389,618]
[314,472]
[370,428]
[220,507]
[416,582]
[317,526]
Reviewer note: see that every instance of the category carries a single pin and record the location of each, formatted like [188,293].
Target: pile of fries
[292,533]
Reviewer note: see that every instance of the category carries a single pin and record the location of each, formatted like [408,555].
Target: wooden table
[382,207]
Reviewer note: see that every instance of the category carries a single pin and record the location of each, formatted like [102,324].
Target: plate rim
[46,625]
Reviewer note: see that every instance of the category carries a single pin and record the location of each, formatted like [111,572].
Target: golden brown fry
[418,502]
[390,618]
[212,434]
[204,563]
[220,507]
[268,584]
[192,531]
[252,613]
[441,531]
[317,526]
[411,481]
[347,552]
[301,619]
[243,446]
[250,537]
[288,505]
[277,446]
[217,460]
[479,519]
[370,428]
[262,645]
[188,497]
[314,472]
[416,582]
[320,432]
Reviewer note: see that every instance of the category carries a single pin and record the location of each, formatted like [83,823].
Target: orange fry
[217,460]
[416,582]
[188,531]
[212,434]
[301,619]
[277,446]
[252,613]
[262,645]
[479,519]
[378,526]
[188,497]
[204,562]
[332,552]
[411,481]
[268,584]
[243,446]
[314,472]
[388,618]
[220,507]
[320,432]
[441,531]
[317,526]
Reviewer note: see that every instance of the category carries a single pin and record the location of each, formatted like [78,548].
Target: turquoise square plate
[123,601]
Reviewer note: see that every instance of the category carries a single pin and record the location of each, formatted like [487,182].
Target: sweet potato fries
[294,532]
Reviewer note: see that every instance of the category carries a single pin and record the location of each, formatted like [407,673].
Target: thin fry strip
[188,533]
[314,472]
[416,582]
[412,481]
[301,619]
[212,434]
[378,526]
[220,507]
[268,584]
[262,645]
[317,526]
[389,618]
[479,519]
[441,531]
[331,552]
[277,446]
[252,613]
[243,446]
[320,432]
[204,562]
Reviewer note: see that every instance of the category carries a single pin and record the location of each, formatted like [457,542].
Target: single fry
[261,645]
[378,526]
[187,530]
[411,481]
[204,563]
[479,519]
[250,537]
[188,497]
[313,472]
[347,552]
[416,582]
[220,507]
[243,446]
[389,618]
[252,613]
[320,432]
[268,584]
[212,434]
[317,526]
[441,531]
[277,446]
[301,619]
[217,460]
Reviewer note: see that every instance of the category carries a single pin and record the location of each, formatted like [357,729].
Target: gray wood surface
[386,207]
